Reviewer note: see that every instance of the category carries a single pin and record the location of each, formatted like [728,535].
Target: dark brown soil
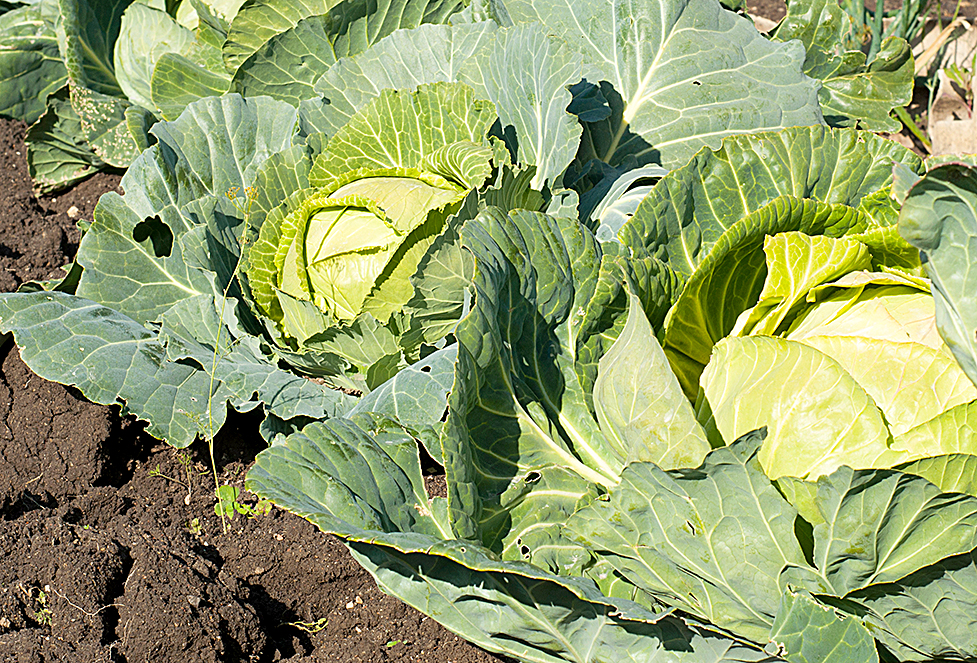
[110,547]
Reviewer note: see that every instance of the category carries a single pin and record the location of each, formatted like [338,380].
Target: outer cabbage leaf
[807,631]
[546,135]
[511,419]
[288,64]
[90,29]
[152,231]
[86,36]
[109,357]
[853,93]
[405,59]
[178,81]
[883,525]
[367,488]
[620,201]
[30,62]
[938,217]
[57,153]
[415,395]
[929,615]
[145,35]
[259,22]
[603,319]
[684,74]
[192,328]
[639,403]
[712,541]
[424,122]
[440,289]
[255,24]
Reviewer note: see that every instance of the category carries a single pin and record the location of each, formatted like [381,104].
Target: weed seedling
[42,613]
[184,460]
[228,504]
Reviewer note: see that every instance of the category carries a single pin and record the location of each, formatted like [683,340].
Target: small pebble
[73,212]
[349,606]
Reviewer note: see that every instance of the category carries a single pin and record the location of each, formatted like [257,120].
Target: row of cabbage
[695,350]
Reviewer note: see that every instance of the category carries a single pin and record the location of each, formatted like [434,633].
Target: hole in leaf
[425,369]
[696,83]
[805,536]
[533,477]
[158,233]
[691,526]
[524,549]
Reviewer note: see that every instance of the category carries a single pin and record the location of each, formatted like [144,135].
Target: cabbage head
[335,248]
[841,360]
[352,245]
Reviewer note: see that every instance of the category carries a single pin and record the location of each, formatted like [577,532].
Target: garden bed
[112,548]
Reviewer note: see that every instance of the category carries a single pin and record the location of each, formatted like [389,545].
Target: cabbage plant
[335,260]
[213,329]
[607,493]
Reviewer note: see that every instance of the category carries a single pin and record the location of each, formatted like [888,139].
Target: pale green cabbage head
[366,234]
[355,269]
[840,360]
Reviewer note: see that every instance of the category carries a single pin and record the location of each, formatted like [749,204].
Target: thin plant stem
[249,193]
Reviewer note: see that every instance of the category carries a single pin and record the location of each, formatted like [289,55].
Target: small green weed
[186,462]
[41,612]
[228,504]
